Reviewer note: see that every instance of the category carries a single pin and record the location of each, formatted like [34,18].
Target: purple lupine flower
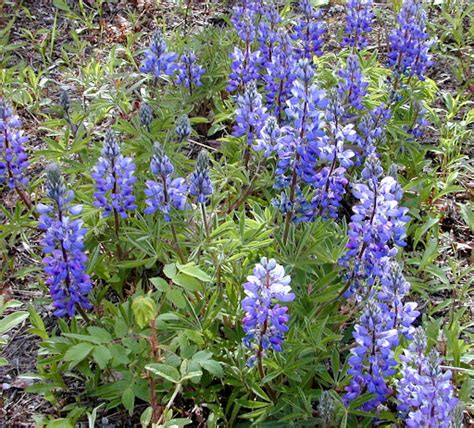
[278,76]
[165,193]
[425,393]
[372,359]
[372,129]
[409,41]
[13,157]
[306,115]
[358,23]
[265,320]
[183,128]
[377,225]
[114,179]
[145,115]
[272,138]
[352,88]
[201,185]
[308,32]
[244,68]
[63,245]
[394,288]
[250,114]
[189,73]
[330,181]
[268,35]
[158,61]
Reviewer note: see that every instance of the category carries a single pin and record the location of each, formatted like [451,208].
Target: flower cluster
[358,23]
[158,61]
[201,185]
[377,225]
[372,129]
[372,359]
[146,116]
[250,114]
[352,88]
[384,320]
[189,73]
[165,193]
[63,245]
[409,42]
[114,179]
[13,157]
[183,128]
[308,31]
[265,322]
[425,393]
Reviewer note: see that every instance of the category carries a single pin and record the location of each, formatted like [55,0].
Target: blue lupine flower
[250,114]
[394,288]
[409,42]
[268,35]
[306,115]
[352,89]
[189,73]
[183,128]
[146,116]
[308,32]
[372,359]
[158,61]
[278,76]
[272,138]
[425,393]
[358,23]
[114,179]
[377,225]
[372,129]
[13,157]
[265,320]
[65,261]
[201,185]
[244,68]
[165,193]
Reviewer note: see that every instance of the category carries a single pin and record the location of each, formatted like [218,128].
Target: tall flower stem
[204,220]
[176,244]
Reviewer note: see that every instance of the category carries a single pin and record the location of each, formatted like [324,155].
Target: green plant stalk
[204,219]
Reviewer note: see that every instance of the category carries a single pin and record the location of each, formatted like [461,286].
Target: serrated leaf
[164,371]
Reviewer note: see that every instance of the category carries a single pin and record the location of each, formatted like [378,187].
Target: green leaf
[12,320]
[100,333]
[145,417]
[102,356]
[160,284]
[78,352]
[128,400]
[187,282]
[202,356]
[3,362]
[164,371]
[193,376]
[144,310]
[176,297]
[60,423]
[213,367]
[192,270]
[170,270]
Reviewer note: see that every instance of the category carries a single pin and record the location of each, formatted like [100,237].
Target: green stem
[176,244]
[204,219]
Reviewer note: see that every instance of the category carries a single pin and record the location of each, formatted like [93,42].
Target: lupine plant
[258,239]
